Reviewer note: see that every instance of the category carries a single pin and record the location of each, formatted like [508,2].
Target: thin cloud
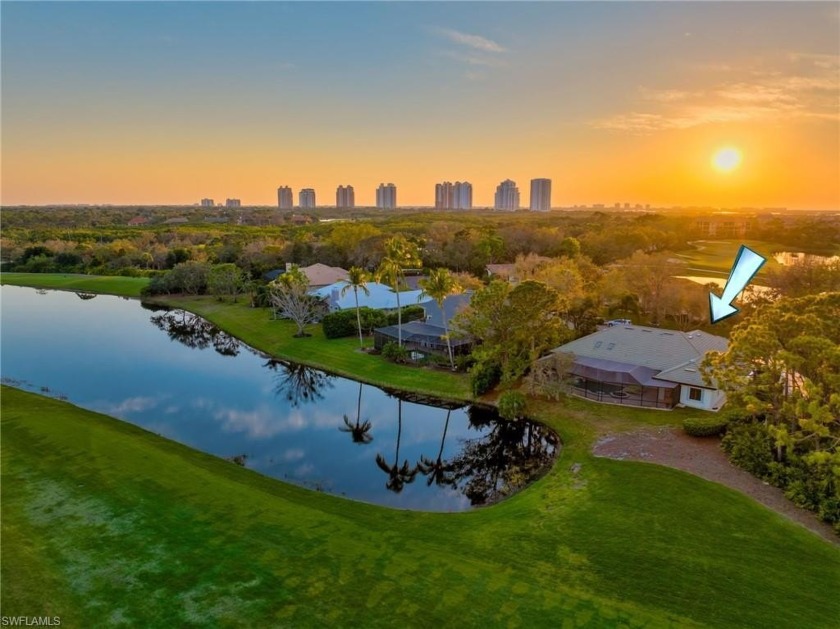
[806,88]
[472,59]
[476,42]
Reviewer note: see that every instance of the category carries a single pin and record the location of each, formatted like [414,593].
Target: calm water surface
[173,373]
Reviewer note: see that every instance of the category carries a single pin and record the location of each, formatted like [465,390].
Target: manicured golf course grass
[717,256]
[104,523]
[122,286]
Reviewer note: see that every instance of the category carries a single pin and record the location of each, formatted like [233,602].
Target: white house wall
[710,399]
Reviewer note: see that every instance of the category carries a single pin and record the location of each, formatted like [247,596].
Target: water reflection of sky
[170,377]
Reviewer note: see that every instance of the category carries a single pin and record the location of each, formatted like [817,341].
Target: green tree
[225,280]
[356,281]
[400,254]
[439,285]
[515,325]
[512,405]
[189,277]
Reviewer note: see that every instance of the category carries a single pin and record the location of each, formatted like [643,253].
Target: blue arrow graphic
[747,264]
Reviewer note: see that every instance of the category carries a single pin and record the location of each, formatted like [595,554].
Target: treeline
[781,374]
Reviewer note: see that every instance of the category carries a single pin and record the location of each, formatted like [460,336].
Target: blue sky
[170,102]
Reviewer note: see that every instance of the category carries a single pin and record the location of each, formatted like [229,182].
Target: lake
[175,374]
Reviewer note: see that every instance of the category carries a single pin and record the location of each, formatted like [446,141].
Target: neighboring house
[644,366]
[138,220]
[452,305]
[428,336]
[422,338]
[508,272]
[501,271]
[178,220]
[319,275]
[379,297]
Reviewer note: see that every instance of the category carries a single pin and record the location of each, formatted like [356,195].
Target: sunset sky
[154,102]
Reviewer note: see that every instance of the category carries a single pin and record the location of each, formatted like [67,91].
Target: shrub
[750,448]
[409,313]
[343,323]
[512,405]
[339,324]
[711,426]
[395,353]
[484,376]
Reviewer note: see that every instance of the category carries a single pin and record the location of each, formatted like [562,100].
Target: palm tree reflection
[398,475]
[438,470]
[360,431]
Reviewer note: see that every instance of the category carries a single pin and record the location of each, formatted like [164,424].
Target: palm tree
[357,280]
[400,254]
[439,473]
[361,429]
[398,475]
[439,285]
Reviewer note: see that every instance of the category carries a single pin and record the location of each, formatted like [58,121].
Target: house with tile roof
[644,366]
[319,275]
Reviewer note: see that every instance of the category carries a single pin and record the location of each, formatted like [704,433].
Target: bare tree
[290,299]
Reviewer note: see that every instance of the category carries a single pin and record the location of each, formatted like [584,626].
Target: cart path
[703,457]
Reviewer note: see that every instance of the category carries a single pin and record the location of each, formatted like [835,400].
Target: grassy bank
[255,327]
[122,286]
[106,523]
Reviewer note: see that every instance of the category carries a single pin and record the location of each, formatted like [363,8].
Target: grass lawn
[122,286]
[255,327]
[718,256]
[104,523]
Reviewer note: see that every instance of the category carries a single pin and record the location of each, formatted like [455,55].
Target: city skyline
[669,104]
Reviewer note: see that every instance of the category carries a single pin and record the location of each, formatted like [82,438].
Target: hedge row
[343,322]
[705,426]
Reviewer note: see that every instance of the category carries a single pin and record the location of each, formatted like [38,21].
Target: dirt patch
[704,458]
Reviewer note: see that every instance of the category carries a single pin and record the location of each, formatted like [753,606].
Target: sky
[615,102]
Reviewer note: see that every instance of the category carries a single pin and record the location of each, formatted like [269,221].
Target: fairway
[716,257]
[106,523]
[112,285]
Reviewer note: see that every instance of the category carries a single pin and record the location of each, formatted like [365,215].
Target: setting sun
[726,160]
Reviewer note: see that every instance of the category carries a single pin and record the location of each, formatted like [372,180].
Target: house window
[695,394]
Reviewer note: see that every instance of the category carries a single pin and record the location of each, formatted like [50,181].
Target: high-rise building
[306,198]
[207,203]
[463,195]
[232,203]
[541,194]
[444,196]
[507,196]
[386,196]
[285,198]
[345,197]
[457,196]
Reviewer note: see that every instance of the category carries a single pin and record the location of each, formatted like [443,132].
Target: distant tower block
[285,198]
[541,194]
[386,196]
[345,197]
[306,198]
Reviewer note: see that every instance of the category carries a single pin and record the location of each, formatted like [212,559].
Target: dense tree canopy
[781,374]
